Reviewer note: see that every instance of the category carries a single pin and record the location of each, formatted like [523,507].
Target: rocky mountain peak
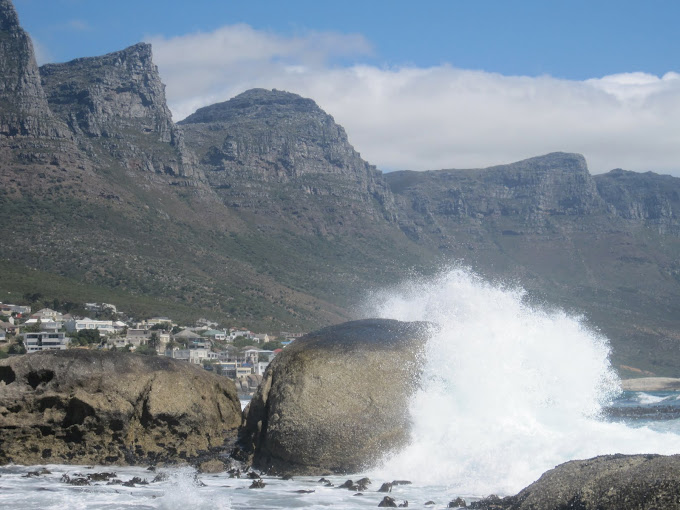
[23,107]
[8,16]
[272,136]
[257,104]
[113,96]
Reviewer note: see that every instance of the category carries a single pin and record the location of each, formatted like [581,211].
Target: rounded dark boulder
[92,407]
[609,482]
[335,400]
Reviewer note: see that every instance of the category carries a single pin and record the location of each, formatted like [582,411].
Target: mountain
[258,211]
[266,151]
[606,247]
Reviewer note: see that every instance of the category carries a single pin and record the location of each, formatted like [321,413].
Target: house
[235,333]
[104,327]
[44,341]
[191,339]
[261,338]
[10,328]
[47,314]
[195,356]
[7,309]
[233,369]
[139,337]
[155,321]
[45,325]
[214,334]
[3,336]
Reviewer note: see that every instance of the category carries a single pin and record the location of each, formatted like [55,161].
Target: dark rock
[401,482]
[114,408]
[388,502]
[101,477]
[313,414]
[385,487]
[612,482]
[134,481]
[257,484]
[458,503]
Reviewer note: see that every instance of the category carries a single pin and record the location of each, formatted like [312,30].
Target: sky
[417,85]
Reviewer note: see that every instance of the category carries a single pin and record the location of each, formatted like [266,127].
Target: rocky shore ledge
[611,482]
[92,407]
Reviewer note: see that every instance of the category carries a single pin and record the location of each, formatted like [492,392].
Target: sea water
[509,390]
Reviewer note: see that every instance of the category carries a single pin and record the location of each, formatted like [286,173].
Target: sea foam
[509,390]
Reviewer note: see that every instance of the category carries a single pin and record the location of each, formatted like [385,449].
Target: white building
[44,341]
[195,356]
[45,325]
[104,327]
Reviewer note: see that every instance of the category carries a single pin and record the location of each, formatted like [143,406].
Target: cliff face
[649,198]
[262,140]
[530,191]
[23,106]
[117,102]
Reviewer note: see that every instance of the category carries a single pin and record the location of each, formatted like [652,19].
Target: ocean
[509,390]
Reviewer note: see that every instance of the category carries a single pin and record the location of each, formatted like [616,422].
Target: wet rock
[311,394]
[101,477]
[385,487]
[458,503]
[134,481]
[611,482]
[211,466]
[257,484]
[388,502]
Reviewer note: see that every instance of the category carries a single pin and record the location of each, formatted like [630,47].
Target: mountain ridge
[259,211]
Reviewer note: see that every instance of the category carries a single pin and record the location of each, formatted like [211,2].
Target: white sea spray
[508,391]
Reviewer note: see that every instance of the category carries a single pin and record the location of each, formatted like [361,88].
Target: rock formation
[118,100]
[335,400]
[261,142]
[23,106]
[613,482]
[90,407]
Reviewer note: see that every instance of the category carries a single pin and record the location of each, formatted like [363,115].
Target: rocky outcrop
[648,198]
[532,190]
[89,407]
[335,400]
[262,141]
[613,482]
[23,106]
[119,100]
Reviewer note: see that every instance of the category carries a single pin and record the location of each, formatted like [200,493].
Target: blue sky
[596,77]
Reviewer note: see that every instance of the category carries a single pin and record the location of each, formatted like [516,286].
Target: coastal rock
[335,400]
[91,407]
[612,482]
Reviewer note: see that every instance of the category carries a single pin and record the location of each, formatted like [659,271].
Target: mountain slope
[259,212]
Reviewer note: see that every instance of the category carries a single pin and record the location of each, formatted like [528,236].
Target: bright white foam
[509,391]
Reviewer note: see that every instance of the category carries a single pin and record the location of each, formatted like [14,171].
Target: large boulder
[335,400]
[611,482]
[91,407]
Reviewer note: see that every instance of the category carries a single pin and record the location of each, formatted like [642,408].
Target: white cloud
[437,117]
